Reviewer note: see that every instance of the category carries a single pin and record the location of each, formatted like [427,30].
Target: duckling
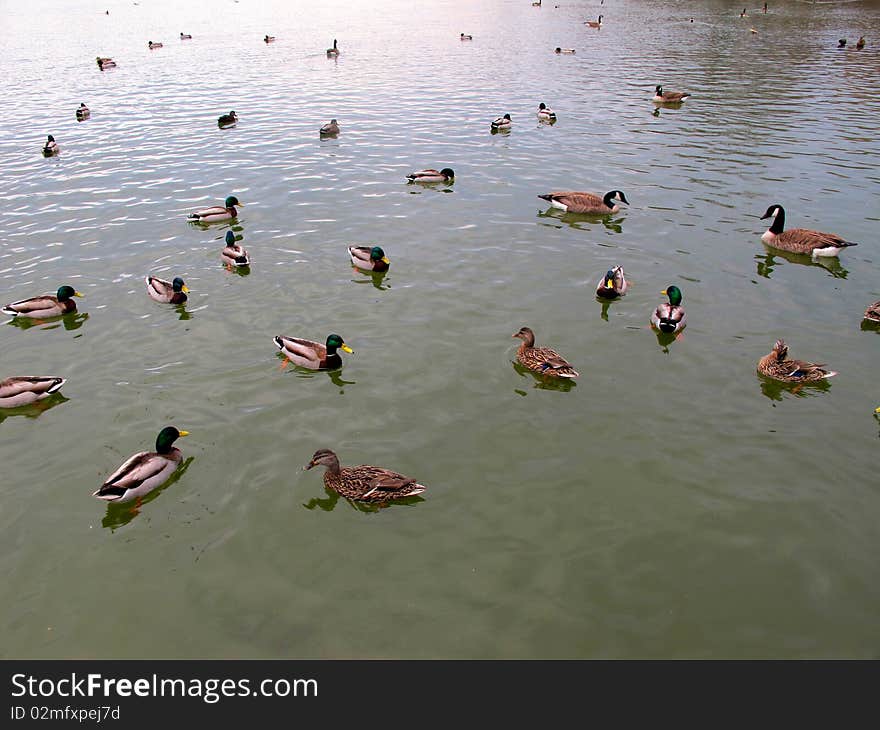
[269,38]
[152,45]
[542,359]
[368,258]
[430,175]
[466,37]
[216,213]
[670,317]
[185,36]
[82,112]
[142,472]
[776,365]
[668,97]
[234,254]
[564,50]
[801,240]
[595,23]
[332,128]
[105,62]
[313,355]
[51,147]
[22,390]
[333,51]
[588,203]
[545,113]
[166,292]
[613,284]
[502,123]
[872,313]
[364,483]
[860,43]
[225,120]
[45,306]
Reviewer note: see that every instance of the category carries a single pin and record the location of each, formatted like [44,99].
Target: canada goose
[466,37]
[595,23]
[83,112]
[51,147]
[333,51]
[776,365]
[545,113]
[860,43]
[575,202]
[185,36]
[225,120]
[330,129]
[152,45]
[800,240]
[564,50]
[501,122]
[668,97]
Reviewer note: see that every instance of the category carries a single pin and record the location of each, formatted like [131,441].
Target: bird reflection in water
[33,410]
[766,262]
[328,503]
[376,278]
[544,382]
[70,322]
[582,221]
[774,389]
[119,515]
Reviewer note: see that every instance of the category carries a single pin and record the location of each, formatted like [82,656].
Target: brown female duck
[776,365]
[364,483]
[542,359]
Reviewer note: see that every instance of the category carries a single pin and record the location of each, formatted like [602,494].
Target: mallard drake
[776,365]
[364,483]
[105,62]
[313,355]
[545,113]
[872,313]
[269,38]
[860,43]
[234,254]
[564,50]
[333,51]
[670,317]
[82,112]
[185,36]
[668,97]
[466,37]
[51,147]
[166,292]
[45,306]
[542,359]
[588,203]
[224,120]
[430,175]
[152,45]
[141,473]
[595,23]
[216,213]
[613,284]
[502,122]
[331,128]
[368,258]
[800,240]
[23,390]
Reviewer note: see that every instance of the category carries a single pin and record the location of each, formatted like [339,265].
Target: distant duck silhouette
[105,62]
[185,36]
[329,129]
[564,50]
[743,14]
[51,147]
[466,37]
[841,43]
[545,113]
[82,113]
[333,51]
[152,45]
[595,23]
[537,4]
[860,44]
[225,120]
[669,97]
[269,38]
[501,123]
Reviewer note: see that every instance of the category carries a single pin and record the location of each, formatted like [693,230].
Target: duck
[152,45]
[313,355]
[860,43]
[22,390]
[542,359]
[670,318]
[332,127]
[105,62]
[800,240]
[51,147]
[364,483]
[234,254]
[775,364]
[536,4]
[613,284]
[872,313]
[595,23]
[82,112]
[466,37]
[502,123]
[841,43]
[668,97]
[368,258]
[185,36]
[225,120]
[333,51]
[590,203]
[430,175]
[166,292]
[269,38]
[45,306]
[564,50]
[216,213]
[142,472]
[545,113]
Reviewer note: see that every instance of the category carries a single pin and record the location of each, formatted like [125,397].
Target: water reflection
[605,307]
[582,221]
[869,326]
[70,322]
[181,311]
[774,389]
[32,410]
[328,503]
[119,515]
[767,262]
[376,278]
[665,339]
[544,382]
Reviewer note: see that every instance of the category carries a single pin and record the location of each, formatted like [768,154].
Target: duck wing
[33,305]
[360,254]
[38,384]
[132,473]
[383,484]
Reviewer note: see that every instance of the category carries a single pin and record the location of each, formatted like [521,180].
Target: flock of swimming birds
[146,470]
